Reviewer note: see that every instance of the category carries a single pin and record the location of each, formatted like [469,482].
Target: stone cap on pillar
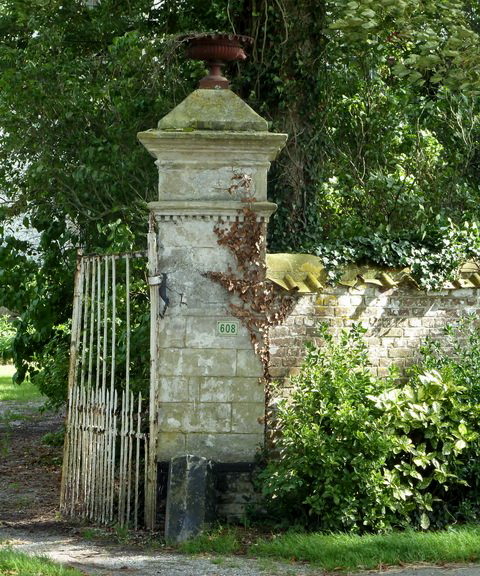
[218,147]
[220,110]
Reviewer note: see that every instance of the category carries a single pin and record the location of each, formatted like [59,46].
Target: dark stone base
[190,498]
[227,487]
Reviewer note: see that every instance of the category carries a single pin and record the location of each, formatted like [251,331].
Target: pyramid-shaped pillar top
[217,110]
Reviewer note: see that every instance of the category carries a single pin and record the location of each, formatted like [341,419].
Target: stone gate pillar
[213,153]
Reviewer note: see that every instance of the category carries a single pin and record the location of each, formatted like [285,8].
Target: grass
[18,564]
[26,392]
[221,541]
[17,395]
[344,552]
[348,552]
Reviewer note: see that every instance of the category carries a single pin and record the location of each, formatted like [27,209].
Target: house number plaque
[229,328]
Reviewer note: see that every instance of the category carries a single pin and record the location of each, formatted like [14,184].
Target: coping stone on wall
[305,273]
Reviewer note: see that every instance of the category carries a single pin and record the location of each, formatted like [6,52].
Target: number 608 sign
[229,328]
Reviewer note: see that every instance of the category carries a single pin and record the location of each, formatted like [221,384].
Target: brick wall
[397,322]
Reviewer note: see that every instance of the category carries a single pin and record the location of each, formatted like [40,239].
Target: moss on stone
[219,110]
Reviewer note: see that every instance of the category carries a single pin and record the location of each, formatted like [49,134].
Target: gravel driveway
[112,560]
[116,560]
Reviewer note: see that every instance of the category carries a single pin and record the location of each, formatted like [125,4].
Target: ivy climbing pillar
[213,153]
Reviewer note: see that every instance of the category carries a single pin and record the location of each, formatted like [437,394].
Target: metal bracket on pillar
[161,282]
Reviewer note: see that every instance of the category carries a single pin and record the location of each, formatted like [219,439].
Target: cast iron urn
[215,50]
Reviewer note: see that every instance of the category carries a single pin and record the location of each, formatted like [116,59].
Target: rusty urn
[216,49]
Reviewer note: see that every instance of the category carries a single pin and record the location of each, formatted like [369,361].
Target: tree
[379,99]
[77,85]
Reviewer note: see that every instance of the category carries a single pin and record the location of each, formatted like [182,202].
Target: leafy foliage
[357,453]
[421,48]
[433,258]
[7,334]
[457,357]
[77,84]
[331,444]
[379,139]
[379,99]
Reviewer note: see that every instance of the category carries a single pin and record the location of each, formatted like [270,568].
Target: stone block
[209,417]
[231,390]
[171,332]
[175,259]
[235,490]
[190,498]
[394,332]
[430,322]
[435,312]
[184,181]
[284,342]
[173,416]
[277,372]
[326,312]
[248,364]
[188,232]
[290,322]
[416,333]
[388,343]
[170,444]
[463,292]
[173,389]
[379,352]
[226,447]
[326,300]
[350,300]
[190,362]
[279,331]
[400,353]
[305,305]
[247,417]
[189,290]
[194,388]
[401,342]
[337,322]
[275,360]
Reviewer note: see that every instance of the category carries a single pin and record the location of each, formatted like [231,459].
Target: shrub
[7,334]
[360,453]
[427,421]
[457,357]
[48,369]
[332,445]
[433,254]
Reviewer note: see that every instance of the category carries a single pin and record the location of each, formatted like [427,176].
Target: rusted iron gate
[106,454]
